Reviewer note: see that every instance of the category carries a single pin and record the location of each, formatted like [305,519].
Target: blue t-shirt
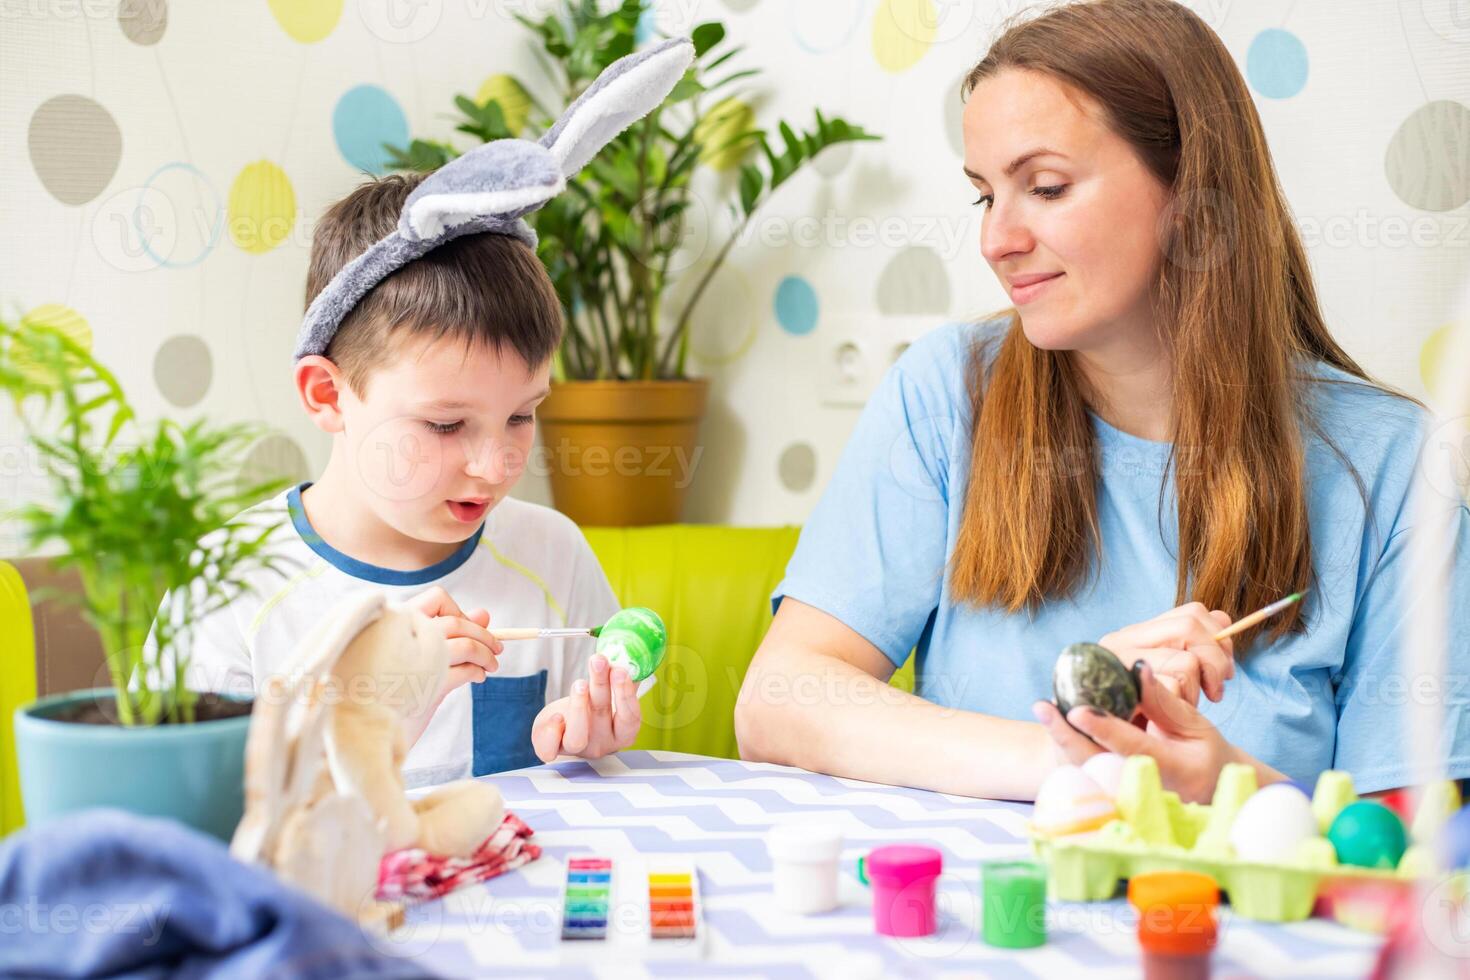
[874,555]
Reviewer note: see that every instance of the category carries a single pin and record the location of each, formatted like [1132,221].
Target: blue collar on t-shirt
[374,573]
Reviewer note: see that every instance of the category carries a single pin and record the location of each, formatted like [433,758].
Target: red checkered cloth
[415,875]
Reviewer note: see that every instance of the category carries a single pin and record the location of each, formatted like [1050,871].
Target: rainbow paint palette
[631,908]
[586,898]
[673,904]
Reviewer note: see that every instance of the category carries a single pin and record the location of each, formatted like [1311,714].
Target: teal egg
[1369,835]
[634,639]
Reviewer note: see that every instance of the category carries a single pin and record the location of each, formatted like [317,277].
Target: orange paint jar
[1176,923]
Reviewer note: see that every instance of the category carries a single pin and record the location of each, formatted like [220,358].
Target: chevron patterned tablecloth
[716,812]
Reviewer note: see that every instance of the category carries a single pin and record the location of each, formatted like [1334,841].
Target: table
[716,812]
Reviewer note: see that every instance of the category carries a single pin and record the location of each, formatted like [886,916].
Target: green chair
[17,686]
[712,586]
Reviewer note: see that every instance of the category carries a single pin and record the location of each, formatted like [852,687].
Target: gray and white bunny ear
[628,90]
[509,178]
[492,187]
[502,179]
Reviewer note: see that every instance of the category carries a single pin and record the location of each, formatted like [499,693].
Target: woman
[1161,420]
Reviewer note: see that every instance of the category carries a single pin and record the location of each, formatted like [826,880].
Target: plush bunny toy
[324,794]
[492,187]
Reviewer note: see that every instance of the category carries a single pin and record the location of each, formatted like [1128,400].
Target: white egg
[1272,823]
[1106,769]
[1071,802]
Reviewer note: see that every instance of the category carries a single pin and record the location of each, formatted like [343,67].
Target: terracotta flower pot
[622,453]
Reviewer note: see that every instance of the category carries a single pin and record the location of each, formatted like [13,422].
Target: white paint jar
[804,865]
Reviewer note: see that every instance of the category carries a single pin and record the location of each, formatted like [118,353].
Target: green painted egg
[634,639]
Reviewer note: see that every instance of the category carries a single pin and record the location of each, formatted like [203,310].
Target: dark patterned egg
[1089,674]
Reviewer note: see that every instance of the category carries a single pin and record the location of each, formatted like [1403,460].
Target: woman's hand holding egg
[1189,749]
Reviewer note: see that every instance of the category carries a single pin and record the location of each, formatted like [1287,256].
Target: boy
[428,388]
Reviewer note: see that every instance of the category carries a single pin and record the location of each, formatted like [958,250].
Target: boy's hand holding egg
[585,723]
[602,715]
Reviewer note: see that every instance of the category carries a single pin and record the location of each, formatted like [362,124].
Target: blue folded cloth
[104,893]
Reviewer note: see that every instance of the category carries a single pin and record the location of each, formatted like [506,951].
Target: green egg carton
[1157,832]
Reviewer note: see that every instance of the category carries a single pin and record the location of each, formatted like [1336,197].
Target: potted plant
[623,408]
[143,512]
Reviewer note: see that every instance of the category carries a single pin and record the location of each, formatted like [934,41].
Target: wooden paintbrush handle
[540,632]
[517,633]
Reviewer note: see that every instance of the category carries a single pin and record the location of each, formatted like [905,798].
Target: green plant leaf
[795,148]
[684,89]
[732,78]
[751,181]
[422,156]
[467,106]
[657,164]
[747,139]
[706,36]
[493,117]
[729,53]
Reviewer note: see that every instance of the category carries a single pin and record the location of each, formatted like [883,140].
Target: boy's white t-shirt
[527,564]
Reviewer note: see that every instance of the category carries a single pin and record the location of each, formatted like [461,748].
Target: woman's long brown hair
[1237,312]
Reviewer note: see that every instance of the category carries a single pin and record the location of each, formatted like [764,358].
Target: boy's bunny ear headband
[490,188]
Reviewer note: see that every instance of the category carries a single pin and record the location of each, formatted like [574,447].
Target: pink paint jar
[903,879]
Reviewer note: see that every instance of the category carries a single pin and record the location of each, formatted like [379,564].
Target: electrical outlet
[848,375]
[860,351]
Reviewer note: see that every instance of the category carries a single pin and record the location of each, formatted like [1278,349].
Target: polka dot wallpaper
[172,158]
[365,120]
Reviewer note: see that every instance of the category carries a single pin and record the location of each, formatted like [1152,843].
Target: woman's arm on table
[817,696]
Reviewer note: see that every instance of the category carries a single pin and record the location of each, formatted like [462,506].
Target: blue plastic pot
[192,773]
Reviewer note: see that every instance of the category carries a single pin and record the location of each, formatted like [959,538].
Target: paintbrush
[1260,614]
[536,633]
